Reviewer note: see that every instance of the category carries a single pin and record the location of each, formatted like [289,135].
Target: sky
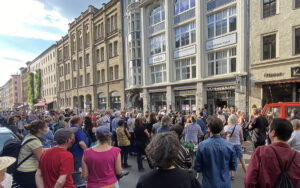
[28,27]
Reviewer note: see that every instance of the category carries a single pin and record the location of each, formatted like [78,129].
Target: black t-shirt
[259,129]
[140,135]
[175,178]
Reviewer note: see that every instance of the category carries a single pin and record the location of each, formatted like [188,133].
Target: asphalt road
[130,181]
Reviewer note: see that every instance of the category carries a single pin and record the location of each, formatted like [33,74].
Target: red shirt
[264,171]
[55,162]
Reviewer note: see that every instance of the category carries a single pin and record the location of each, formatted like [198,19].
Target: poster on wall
[183,107]
[187,107]
[194,107]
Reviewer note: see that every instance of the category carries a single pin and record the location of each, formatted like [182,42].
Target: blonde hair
[165,121]
[232,120]
[295,123]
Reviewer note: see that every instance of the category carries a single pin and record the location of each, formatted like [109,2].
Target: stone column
[146,100]
[170,99]
[201,96]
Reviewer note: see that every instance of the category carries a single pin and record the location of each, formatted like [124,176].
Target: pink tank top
[101,167]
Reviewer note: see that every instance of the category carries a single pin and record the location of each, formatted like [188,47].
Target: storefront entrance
[158,102]
[216,99]
[185,104]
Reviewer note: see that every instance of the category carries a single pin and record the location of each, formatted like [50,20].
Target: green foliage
[254,106]
[37,79]
[30,88]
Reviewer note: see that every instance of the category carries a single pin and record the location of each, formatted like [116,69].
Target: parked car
[5,135]
[280,110]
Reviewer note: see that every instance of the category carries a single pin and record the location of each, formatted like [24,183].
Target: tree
[37,79]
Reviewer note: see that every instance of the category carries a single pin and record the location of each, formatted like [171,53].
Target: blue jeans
[76,174]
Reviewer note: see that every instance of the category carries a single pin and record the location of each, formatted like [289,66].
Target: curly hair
[35,126]
[163,150]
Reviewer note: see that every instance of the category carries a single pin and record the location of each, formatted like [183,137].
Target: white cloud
[18,18]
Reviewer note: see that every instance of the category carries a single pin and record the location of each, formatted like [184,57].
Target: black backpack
[12,148]
[284,180]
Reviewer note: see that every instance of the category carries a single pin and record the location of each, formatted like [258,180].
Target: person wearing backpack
[276,165]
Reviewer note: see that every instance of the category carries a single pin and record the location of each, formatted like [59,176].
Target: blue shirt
[48,139]
[114,124]
[163,129]
[215,158]
[202,125]
[79,136]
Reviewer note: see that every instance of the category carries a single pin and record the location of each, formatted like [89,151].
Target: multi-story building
[194,54]
[5,101]
[274,51]
[24,85]
[15,94]
[90,60]
[1,99]
[133,53]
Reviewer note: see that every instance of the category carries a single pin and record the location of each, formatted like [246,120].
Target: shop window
[221,22]
[297,3]
[185,35]
[102,101]
[269,8]
[115,100]
[158,44]
[269,47]
[157,15]
[158,73]
[297,41]
[183,5]
[185,68]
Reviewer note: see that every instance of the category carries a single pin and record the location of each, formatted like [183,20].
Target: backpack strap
[292,161]
[26,158]
[279,161]
[232,131]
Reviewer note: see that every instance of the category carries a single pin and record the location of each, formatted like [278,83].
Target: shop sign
[185,92]
[185,51]
[157,59]
[272,75]
[295,72]
[221,42]
[222,88]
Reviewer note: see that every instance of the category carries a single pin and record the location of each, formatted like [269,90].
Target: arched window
[157,15]
[102,101]
[115,100]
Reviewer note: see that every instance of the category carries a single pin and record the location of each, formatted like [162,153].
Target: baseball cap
[102,130]
[63,134]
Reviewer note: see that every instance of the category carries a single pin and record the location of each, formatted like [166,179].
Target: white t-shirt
[235,138]
[130,124]
[294,141]
[7,182]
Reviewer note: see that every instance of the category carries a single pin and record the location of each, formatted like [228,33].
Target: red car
[280,109]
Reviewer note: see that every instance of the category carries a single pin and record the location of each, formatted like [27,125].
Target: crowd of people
[65,149]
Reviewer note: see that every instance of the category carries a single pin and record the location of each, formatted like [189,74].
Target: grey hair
[232,120]
[165,121]
[163,150]
[295,123]
[117,113]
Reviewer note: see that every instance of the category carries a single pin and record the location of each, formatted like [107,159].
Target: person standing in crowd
[6,179]
[157,124]
[201,123]
[11,125]
[48,138]
[25,173]
[221,117]
[57,164]
[89,130]
[266,161]
[244,123]
[294,141]
[106,119]
[184,160]
[101,164]
[180,119]
[141,138]
[114,126]
[234,134]
[258,128]
[130,125]
[123,138]
[193,130]
[79,145]
[165,124]
[215,157]
[294,114]
[151,122]
[163,152]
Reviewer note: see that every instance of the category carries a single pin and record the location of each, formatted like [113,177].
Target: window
[80,40]
[87,59]
[185,68]
[297,41]
[102,54]
[269,8]
[108,25]
[110,50]
[158,44]
[98,55]
[269,47]
[157,15]
[185,35]
[98,77]
[183,5]
[111,73]
[112,25]
[116,21]
[297,3]
[158,73]
[81,81]
[80,62]
[88,79]
[87,36]
[221,22]
[97,32]
[116,72]
[116,48]
[103,75]
[74,82]
[101,30]
[222,62]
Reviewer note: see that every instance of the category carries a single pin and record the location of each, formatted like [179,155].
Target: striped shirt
[31,164]
[184,160]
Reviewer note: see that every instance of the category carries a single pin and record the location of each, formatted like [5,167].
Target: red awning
[275,82]
[42,104]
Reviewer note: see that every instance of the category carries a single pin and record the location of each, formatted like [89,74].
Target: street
[130,181]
